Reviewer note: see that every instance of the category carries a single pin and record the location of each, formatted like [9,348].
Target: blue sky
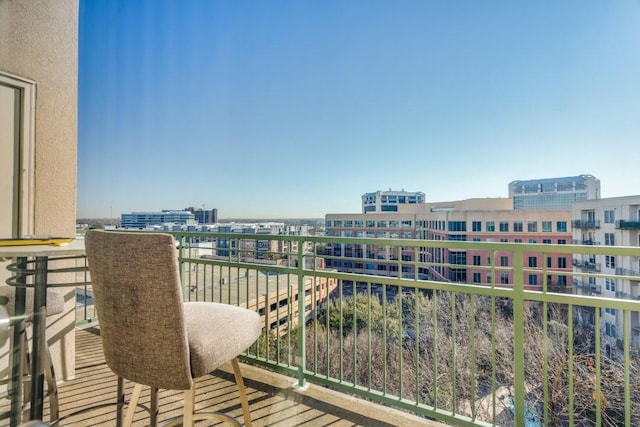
[295,109]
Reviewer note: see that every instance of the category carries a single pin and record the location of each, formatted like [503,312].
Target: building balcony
[589,242]
[627,272]
[583,223]
[346,348]
[587,286]
[587,265]
[627,225]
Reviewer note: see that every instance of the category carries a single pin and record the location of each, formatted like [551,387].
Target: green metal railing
[465,354]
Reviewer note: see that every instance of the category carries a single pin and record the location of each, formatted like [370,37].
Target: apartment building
[553,193]
[388,201]
[481,220]
[611,222]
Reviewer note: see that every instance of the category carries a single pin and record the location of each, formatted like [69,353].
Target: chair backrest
[136,286]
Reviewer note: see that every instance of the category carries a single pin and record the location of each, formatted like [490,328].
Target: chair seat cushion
[217,333]
[55,300]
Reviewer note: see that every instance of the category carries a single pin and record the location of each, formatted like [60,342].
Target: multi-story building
[613,222]
[142,220]
[488,220]
[204,216]
[388,201]
[553,193]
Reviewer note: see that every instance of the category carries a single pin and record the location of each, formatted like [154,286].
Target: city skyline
[296,110]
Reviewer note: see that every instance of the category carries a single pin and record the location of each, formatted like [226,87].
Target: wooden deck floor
[272,398]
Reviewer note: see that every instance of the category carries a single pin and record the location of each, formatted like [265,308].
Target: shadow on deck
[273,399]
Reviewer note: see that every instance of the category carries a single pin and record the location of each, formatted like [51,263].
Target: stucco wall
[39,41]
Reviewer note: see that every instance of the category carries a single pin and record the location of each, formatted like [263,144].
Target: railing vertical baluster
[472,339]
[434,298]
[570,370]
[518,326]
[384,338]
[369,319]
[454,394]
[598,369]
[302,353]
[627,366]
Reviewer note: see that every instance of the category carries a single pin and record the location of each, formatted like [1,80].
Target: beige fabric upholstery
[55,300]
[149,335]
[217,333]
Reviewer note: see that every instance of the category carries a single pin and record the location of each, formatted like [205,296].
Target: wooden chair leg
[133,404]
[243,392]
[52,387]
[189,406]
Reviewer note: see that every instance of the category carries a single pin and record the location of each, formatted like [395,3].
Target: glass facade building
[553,193]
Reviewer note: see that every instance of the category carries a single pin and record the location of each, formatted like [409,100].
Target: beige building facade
[38,110]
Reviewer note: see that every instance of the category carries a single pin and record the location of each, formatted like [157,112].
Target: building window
[546,226]
[337,223]
[504,278]
[359,223]
[517,227]
[609,217]
[382,224]
[394,224]
[490,226]
[476,226]
[548,262]
[562,262]
[610,284]
[609,239]
[371,223]
[504,240]
[457,226]
[517,240]
[532,227]
[546,241]
[476,278]
[610,261]
[611,311]
[476,260]
[610,330]
[562,241]
[533,241]
[533,279]
[504,261]
[533,261]
[504,227]
[488,278]
[561,226]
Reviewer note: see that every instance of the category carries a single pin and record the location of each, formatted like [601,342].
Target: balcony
[583,223]
[587,286]
[627,225]
[587,265]
[454,352]
[589,242]
[627,272]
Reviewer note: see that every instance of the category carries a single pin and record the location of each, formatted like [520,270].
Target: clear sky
[296,108]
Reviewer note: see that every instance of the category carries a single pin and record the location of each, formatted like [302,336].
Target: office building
[204,216]
[388,201]
[553,193]
[142,220]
